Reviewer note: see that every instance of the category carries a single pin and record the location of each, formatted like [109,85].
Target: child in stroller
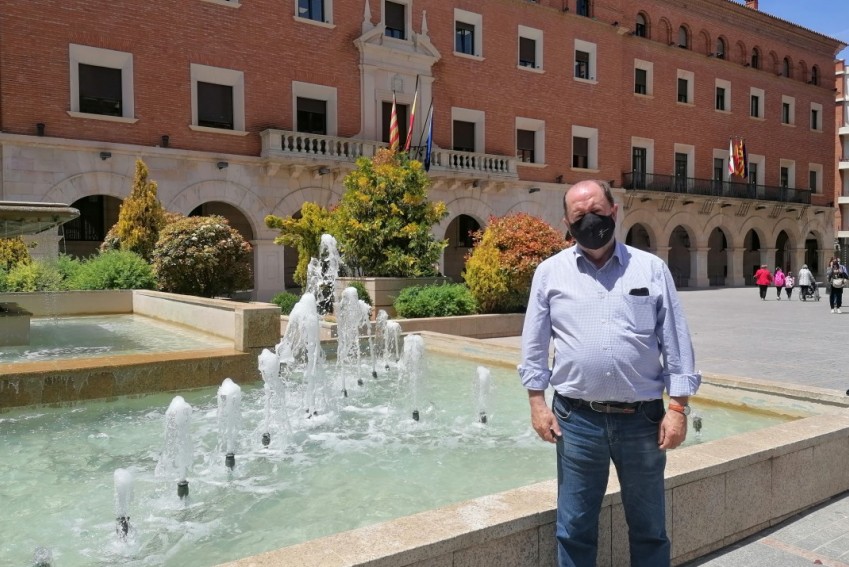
[809,292]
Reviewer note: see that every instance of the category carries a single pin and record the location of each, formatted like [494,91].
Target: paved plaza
[791,342]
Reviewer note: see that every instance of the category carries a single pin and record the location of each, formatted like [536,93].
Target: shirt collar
[618,254]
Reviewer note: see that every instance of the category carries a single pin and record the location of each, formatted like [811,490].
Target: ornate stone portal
[16,219]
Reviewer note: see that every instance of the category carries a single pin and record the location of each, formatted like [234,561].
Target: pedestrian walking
[837,279]
[763,278]
[789,282]
[778,279]
[805,279]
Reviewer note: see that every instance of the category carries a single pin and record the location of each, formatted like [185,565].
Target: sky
[828,17]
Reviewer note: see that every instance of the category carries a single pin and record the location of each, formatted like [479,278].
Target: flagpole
[412,119]
[429,115]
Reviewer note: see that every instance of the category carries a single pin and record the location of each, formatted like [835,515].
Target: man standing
[620,340]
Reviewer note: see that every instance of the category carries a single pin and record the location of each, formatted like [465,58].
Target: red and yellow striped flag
[412,122]
[393,127]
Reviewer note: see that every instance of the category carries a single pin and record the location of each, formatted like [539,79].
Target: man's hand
[673,430]
[542,418]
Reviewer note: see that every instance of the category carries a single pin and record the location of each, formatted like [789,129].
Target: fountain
[18,219]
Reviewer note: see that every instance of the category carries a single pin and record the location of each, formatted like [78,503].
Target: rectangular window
[640,29]
[312,116]
[785,113]
[527,52]
[464,38]
[311,10]
[681,161]
[639,162]
[755,106]
[403,121]
[580,152]
[784,177]
[753,175]
[682,90]
[395,17]
[582,64]
[100,90]
[812,180]
[582,7]
[720,98]
[640,81]
[464,136]
[815,119]
[215,105]
[525,145]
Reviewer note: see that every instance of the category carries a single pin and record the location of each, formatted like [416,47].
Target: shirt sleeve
[534,370]
[679,374]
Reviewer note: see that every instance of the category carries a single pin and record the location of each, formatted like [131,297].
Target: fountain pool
[105,335]
[364,463]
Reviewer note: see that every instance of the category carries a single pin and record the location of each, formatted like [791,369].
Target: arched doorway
[459,236]
[638,237]
[717,257]
[812,253]
[751,256]
[84,235]
[679,256]
[783,256]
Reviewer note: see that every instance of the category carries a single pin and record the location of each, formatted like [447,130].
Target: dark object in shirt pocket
[640,291]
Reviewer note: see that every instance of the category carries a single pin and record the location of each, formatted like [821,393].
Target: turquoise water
[92,336]
[364,462]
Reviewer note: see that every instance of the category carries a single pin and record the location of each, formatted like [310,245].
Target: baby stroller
[813,292]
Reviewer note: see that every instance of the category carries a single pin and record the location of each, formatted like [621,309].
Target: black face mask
[593,231]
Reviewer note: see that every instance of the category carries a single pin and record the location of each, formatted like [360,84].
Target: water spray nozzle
[122,527]
[183,489]
[266,439]
[230,460]
[415,415]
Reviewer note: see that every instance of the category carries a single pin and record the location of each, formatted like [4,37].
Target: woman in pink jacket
[778,281]
[763,278]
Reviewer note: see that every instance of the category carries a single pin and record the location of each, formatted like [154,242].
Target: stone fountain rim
[23,217]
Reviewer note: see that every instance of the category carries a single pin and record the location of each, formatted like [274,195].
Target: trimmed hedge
[442,300]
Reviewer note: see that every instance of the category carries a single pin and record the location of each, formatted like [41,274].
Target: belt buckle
[604,407]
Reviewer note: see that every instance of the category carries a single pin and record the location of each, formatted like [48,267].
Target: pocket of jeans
[562,408]
[653,412]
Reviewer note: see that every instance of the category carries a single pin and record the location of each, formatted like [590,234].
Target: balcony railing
[300,146]
[713,188]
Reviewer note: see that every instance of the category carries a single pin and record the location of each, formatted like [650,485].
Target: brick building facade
[253,107]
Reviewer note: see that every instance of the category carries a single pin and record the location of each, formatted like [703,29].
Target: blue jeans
[590,441]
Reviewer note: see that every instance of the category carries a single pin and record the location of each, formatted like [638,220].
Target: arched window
[785,67]
[815,75]
[641,28]
[756,59]
[683,37]
[720,48]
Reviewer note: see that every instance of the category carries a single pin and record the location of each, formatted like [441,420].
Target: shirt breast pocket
[639,314]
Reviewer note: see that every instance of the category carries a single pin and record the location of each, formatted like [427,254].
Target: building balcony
[288,148]
[843,163]
[711,188]
[843,131]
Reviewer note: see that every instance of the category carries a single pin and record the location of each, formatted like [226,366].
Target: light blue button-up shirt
[619,331]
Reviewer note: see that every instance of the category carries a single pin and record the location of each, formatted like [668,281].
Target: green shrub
[115,269]
[13,251]
[285,301]
[68,267]
[442,300]
[202,256]
[384,219]
[501,265]
[362,292]
[3,276]
[35,276]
